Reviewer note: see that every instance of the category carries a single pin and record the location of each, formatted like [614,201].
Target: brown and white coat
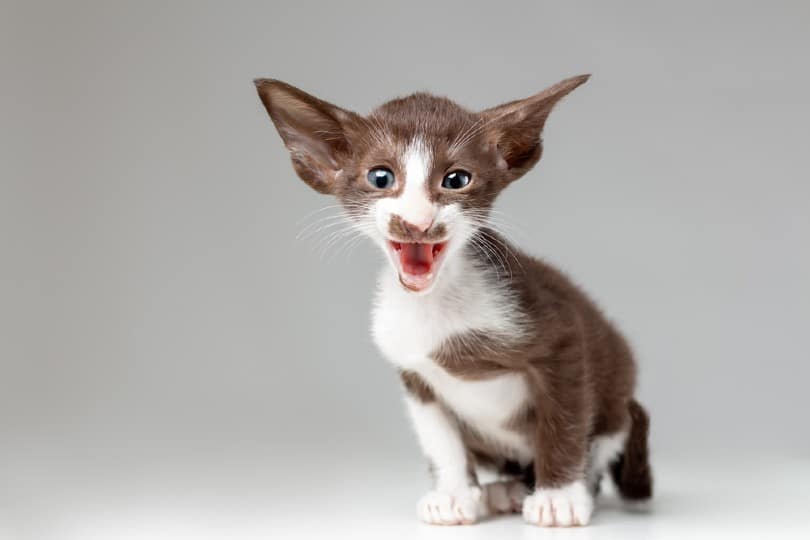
[506,364]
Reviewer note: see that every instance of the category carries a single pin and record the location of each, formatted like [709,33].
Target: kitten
[505,363]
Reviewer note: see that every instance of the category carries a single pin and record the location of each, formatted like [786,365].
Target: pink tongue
[416,259]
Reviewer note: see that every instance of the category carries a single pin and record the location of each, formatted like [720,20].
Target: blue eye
[381,178]
[456,180]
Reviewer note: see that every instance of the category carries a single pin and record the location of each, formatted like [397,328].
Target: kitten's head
[420,173]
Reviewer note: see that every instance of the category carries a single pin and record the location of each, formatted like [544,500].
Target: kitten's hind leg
[604,451]
[505,496]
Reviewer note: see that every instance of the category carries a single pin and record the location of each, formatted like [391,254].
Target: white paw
[567,506]
[457,507]
[505,497]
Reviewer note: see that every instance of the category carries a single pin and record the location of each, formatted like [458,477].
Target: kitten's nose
[414,229]
[418,226]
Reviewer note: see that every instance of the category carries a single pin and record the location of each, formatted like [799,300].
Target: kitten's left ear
[314,131]
[515,128]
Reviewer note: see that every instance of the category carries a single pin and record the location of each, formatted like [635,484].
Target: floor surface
[735,498]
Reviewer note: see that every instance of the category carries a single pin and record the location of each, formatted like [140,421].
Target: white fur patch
[605,449]
[453,501]
[413,203]
[486,405]
[408,327]
[567,506]
[441,442]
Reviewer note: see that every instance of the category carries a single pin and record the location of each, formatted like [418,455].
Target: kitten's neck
[471,294]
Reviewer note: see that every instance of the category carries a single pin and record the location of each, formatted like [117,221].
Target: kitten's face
[419,174]
[421,181]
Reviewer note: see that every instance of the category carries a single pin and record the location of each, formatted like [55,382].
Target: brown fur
[579,368]
[332,148]
[417,387]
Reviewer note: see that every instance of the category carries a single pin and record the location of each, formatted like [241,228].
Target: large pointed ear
[515,128]
[314,131]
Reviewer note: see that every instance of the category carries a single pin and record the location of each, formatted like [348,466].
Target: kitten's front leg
[561,497]
[456,498]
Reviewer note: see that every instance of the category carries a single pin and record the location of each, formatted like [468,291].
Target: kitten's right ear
[314,131]
[515,128]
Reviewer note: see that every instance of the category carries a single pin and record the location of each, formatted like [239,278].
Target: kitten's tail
[631,472]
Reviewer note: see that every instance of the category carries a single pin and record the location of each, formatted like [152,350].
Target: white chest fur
[408,328]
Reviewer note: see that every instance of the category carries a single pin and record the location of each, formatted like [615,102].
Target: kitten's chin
[417,284]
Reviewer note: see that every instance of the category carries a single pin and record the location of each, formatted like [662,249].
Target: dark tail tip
[631,473]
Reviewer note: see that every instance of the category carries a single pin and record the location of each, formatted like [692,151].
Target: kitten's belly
[487,406]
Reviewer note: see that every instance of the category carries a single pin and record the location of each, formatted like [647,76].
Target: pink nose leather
[421,225]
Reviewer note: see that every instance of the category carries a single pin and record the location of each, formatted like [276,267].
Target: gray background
[158,313]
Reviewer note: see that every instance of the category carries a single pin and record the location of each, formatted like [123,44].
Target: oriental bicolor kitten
[505,363]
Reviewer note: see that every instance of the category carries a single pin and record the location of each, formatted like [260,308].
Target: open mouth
[418,262]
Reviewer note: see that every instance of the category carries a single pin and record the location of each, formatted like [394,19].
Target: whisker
[506,248]
[490,253]
[320,226]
